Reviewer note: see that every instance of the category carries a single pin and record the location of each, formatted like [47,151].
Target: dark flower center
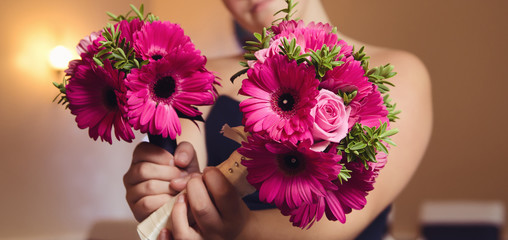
[110,99]
[164,87]
[291,164]
[286,102]
[156,57]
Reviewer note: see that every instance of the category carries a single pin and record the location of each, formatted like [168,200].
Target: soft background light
[60,56]
[58,184]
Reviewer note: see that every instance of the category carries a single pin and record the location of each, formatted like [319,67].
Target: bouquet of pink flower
[318,118]
[138,73]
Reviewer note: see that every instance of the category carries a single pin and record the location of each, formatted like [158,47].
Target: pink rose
[330,120]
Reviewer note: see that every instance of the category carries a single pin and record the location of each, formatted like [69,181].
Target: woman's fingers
[147,205]
[225,197]
[143,171]
[181,228]
[163,235]
[185,157]
[149,187]
[202,208]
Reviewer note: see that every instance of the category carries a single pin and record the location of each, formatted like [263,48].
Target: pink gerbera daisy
[161,89]
[97,97]
[350,194]
[128,29]
[348,77]
[287,174]
[339,201]
[282,94]
[305,215]
[157,39]
[369,111]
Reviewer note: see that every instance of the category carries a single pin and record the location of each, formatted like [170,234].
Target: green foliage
[347,97]
[379,76]
[325,59]
[289,11]
[292,51]
[344,174]
[139,13]
[362,143]
[63,93]
[362,57]
[117,50]
[262,41]
[392,111]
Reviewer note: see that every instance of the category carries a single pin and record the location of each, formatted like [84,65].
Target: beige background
[56,183]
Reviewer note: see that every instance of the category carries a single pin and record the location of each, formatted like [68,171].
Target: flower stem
[163,142]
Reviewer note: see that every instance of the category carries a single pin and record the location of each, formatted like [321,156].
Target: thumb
[185,157]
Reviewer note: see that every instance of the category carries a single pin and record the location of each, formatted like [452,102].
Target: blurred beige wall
[464,46]
[55,183]
[58,184]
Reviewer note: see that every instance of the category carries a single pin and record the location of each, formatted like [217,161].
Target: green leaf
[97,61]
[141,9]
[113,16]
[381,147]
[389,133]
[137,12]
[344,174]
[122,53]
[358,146]
[389,141]
[249,56]
[238,74]
[258,36]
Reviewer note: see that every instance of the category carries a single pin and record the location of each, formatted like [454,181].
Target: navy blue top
[226,110]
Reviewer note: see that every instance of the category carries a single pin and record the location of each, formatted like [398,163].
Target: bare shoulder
[412,94]
[411,71]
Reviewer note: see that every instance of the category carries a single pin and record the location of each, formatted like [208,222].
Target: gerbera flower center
[164,87]
[156,57]
[284,103]
[110,99]
[291,164]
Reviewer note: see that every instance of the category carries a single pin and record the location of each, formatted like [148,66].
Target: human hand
[224,215]
[155,176]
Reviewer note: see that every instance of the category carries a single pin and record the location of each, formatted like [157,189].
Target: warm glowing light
[59,57]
